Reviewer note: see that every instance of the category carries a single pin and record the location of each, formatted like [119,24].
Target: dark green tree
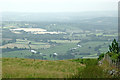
[114,47]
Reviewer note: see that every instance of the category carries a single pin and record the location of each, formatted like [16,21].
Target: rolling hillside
[30,68]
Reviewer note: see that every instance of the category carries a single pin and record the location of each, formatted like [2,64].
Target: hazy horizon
[57,5]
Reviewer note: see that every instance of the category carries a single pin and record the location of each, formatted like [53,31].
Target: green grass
[28,68]
[92,70]
[73,68]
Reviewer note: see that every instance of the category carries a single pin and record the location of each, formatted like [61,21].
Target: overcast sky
[58,5]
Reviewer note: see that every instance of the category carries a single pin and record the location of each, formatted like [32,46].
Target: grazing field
[59,49]
[65,41]
[30,68]
[19,54]
[19,45]
[92,47]
[24,44]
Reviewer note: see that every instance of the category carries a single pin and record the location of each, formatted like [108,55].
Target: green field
[66,41]
[61,48]
[92,44]
[24,44]
[17,53]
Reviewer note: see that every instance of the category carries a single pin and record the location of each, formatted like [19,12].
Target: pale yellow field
[29,29]
[16,32]
[35,31]
[48,32]
[12,45]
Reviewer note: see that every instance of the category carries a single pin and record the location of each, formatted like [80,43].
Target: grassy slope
[28,68]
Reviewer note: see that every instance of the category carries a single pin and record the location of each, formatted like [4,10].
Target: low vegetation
[30,68]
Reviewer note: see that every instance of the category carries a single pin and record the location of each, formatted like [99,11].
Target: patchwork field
[88,49]
[24,44]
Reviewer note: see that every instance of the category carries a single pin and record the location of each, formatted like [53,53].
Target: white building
[33,51]
[79,45]
[55,54]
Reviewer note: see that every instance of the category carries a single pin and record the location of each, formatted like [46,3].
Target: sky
[57,5]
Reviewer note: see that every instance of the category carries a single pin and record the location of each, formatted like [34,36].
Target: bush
[114,56]
[110,54]
[114,47]
[86,61]
[90,62]
[101,56]
[92,72]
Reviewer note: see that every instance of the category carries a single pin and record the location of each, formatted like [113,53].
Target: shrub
[114,47]
[101,56]
[114,56]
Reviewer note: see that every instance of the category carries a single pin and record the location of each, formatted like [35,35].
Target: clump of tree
[114,47]
[101,56]
[114,50]
[12,49]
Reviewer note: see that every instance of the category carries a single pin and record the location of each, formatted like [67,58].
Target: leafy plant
[101,56]
[114,47]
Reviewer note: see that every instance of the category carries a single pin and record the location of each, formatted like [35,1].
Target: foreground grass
[74,68]
[92,69]
[30,68]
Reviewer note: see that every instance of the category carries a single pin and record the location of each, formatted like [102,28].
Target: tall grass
[30,68]
[92,70]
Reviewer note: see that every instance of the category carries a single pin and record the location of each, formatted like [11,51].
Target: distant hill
[56,16]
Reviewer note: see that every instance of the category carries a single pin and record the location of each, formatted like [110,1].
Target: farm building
[33,51]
